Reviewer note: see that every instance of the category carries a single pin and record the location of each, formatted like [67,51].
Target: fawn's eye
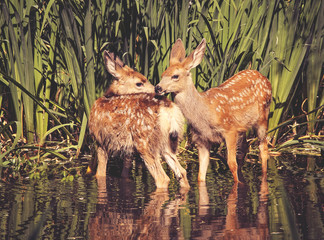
[175,77]
[139,84]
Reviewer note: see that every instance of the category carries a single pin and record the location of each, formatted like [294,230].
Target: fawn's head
[176,77]
[127,80]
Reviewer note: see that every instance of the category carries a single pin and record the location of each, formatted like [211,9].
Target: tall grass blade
[314,70]
[90,57]
[23,89]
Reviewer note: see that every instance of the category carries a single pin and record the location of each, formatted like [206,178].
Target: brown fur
[223,112]
[137,123]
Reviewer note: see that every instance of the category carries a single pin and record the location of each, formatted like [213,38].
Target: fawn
[223,112]
[129,122]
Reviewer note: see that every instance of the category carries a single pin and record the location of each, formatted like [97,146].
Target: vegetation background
[51,66]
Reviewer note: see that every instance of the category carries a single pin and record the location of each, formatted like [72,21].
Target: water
[289,205]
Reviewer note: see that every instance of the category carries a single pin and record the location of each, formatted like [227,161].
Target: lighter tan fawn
[225,112]
[127,122]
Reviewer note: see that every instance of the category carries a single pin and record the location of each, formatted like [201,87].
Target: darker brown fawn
[224,112]
[138,123]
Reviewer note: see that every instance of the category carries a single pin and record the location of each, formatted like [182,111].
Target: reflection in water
[129,209]
[157,220]
[160,218]
[314,231]
[234,227]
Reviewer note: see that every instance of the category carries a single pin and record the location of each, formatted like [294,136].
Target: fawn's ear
[178,52]
[195,58]
[113,64]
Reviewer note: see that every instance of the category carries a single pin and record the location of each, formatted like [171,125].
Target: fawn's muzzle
[158,89]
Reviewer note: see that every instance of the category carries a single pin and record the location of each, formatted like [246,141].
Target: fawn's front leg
[102,162]
[203,156]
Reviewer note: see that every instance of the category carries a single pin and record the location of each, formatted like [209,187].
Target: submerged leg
[101,174]
[203,206]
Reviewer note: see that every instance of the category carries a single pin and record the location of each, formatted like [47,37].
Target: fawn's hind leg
[179,171]
[231,144]
[154,166]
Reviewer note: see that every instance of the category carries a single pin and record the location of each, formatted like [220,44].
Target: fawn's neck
[189,100]
[196,110]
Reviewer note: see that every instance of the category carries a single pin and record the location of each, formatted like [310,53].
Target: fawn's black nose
[158,89]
